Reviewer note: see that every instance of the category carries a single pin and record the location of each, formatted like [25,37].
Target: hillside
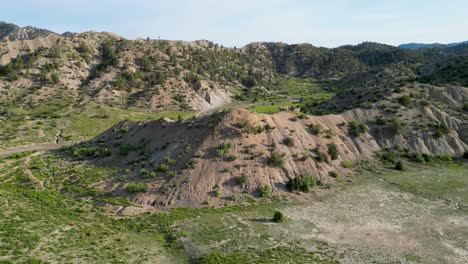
[157,151]
[12,32]
[238,152]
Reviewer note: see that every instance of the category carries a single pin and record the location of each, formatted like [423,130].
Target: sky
[328,23]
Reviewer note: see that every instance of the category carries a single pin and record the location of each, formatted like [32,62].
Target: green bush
[223,149]
[314,128]
[242,179]
[278,217]
[124,129]
[162,168]
[265,191]
[399,166]
[356,128]
[276,159]
[333,151]
[289,141]
[301,183]
[347,164]
[147,173]
[397,127]
[404,100]
[320,156]
[333,174]
[329,133]
[137,187]
[444,157]
[218,192]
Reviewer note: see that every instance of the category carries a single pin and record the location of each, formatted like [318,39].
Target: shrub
[356,128]
[444,157]
[265,191]
[162,168]
[170,160]
[404,100]
[187,148]
[222,149]
[440,129]
[320,156]
[137,187]
[399,166]
[124,129]
[54,78]
[289,141]
[347,164]
[276,159]
[301,183]
[333,174]
[218,192]
[465,106]
[333,151]
[231,157]
[397,127]
[234,197]
[314,128]
[381,121]
[278,217]
[147,174]
[242,179]
[329,133]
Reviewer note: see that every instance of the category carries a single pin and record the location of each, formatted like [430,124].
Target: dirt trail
[41,147]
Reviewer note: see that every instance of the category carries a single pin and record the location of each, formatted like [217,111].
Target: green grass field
[290,92]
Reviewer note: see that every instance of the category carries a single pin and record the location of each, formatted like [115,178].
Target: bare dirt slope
[201,160]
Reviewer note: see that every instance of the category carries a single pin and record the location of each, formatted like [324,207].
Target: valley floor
[416,216]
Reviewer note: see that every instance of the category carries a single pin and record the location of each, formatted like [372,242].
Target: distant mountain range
[13,32]
[415,46]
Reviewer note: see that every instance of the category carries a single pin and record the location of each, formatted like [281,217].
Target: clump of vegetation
[320,156]
[347,164]
[440,129]
[90,151]
[329,133]
[356,128]
[333,174]
[242,179]
[301,183]
[187,148]
[231,157]
[265,191]
[147,173]
[276,159]
[223,149]
[218,192]
[162,168]
[137,187]
[124,129]
[289,141]
[404,100]
[314,128]
[397,126]
[399,166]
[278,217]
[333,151]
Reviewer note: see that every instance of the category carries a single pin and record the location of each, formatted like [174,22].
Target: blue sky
[327,23]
